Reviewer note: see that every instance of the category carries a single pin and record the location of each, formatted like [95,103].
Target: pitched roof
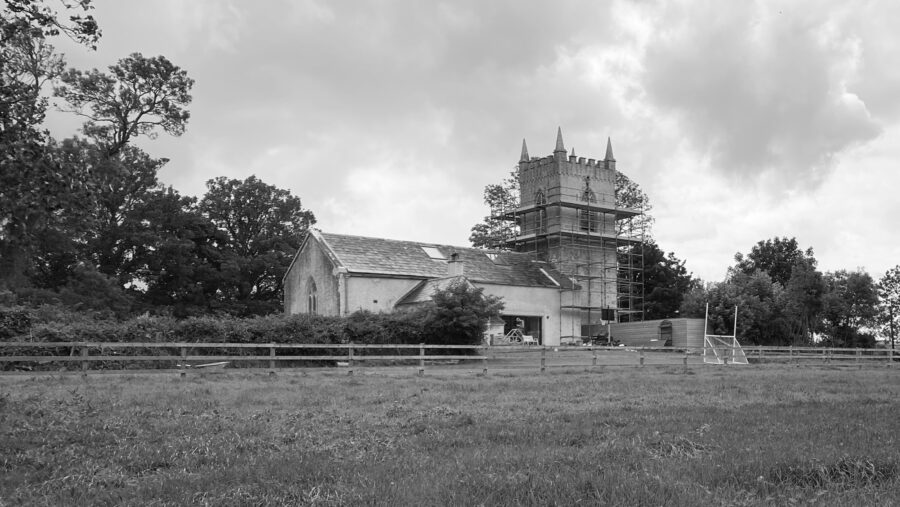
[425,289]
[391,257]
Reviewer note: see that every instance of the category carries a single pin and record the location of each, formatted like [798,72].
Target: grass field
[755,435]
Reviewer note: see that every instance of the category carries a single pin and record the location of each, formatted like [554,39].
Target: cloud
[760,87]
[741,120]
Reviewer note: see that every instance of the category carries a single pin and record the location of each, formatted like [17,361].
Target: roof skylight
[434,253]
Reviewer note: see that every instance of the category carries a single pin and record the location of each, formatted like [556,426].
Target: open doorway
[665,332]
[532,326]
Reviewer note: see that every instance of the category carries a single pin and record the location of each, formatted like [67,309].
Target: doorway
[532,326]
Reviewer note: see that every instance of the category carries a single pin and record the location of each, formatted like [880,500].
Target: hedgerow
[456,316]
[55,324]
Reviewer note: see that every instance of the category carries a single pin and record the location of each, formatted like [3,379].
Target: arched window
[541,216]
[312,298]
[588,219]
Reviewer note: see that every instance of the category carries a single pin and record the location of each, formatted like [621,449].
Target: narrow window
[588,219]
[312,299]
[541,216]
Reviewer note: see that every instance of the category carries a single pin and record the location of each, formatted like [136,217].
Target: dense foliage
[888,318]
[85,222]
[665,280]
[782,299]
[457,315]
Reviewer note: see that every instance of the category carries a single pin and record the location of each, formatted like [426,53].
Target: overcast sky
[742,121]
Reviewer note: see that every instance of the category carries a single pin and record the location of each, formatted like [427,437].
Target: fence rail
[41,354]
[98,357]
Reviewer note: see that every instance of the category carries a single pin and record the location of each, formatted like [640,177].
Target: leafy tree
[27,60]
[849,305]
[126,184]
[889,306]
[263,227]
[776,257]
[28,63]
[40,21]
[137,97]
[459,314]
[630,195]
[175,259]
[802,301]
[492,231]
[666,282]
[759,320]
[34,189]
[41,195]
[800,287]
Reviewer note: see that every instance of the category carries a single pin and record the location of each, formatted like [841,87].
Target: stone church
[564,268]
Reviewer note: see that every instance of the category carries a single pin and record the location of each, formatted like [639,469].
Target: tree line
[85,221]
[781,296]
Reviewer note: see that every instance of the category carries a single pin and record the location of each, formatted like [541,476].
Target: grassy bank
[713,436]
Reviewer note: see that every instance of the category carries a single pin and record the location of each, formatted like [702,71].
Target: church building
[564,270]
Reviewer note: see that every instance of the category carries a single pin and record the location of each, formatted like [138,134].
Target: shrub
[14,322]
[459,314]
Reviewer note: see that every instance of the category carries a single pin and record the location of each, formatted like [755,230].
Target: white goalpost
[722,349]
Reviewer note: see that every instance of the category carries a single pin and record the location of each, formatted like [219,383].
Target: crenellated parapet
[563,176]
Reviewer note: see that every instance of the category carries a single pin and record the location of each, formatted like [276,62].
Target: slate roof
[391,257]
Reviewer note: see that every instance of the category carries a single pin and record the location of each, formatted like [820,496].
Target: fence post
[271,359]
[759,353]
[543,359]
[858,358]
[642,357]
[685,360]
[594,356]
[84,363]
[183,372]
[790,354]
[350,359]
[890,357]
[421,359]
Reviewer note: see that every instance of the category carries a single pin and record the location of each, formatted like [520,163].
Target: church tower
[568,216]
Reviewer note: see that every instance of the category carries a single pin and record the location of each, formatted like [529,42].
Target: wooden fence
[90,357]
[819,355]
[111,356]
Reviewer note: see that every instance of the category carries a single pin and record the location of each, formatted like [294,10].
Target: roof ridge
[407,241]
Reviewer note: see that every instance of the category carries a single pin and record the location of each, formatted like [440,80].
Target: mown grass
[716,436]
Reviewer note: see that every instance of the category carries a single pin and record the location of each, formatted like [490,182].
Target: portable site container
[677,333]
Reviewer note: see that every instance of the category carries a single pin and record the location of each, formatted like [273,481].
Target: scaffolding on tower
[588,238]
